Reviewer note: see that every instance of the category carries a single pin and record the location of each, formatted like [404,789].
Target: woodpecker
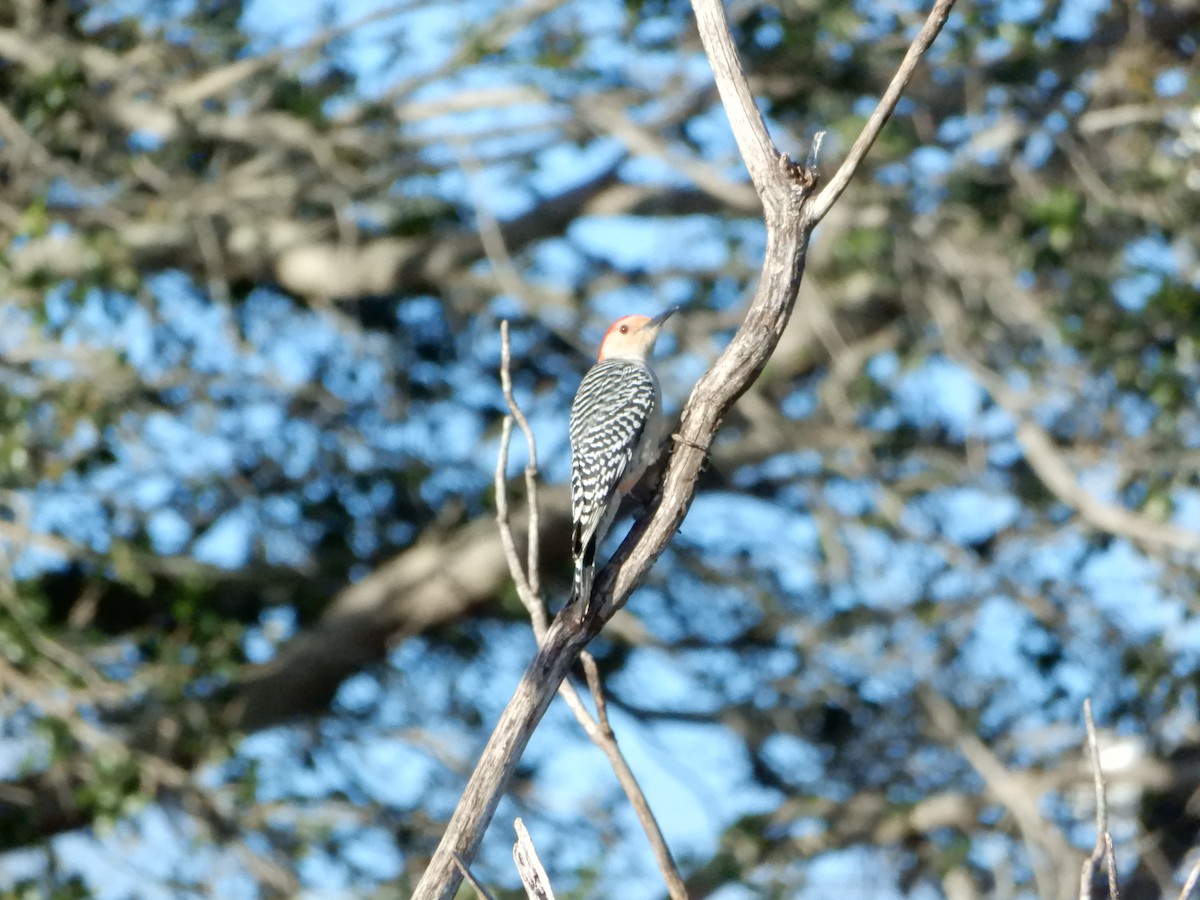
[616,427]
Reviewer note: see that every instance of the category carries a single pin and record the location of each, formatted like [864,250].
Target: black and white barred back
[615,421]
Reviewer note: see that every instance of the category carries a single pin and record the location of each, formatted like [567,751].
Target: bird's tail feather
[581,588]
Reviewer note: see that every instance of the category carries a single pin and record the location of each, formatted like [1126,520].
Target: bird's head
[633,337]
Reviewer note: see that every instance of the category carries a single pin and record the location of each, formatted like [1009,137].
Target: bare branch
[592,672]
[471,879]
[1111,866]
[784,190]
[1103,851]
[602,735]
[534,582]
[749,130]
[533,875]
[533,603]
[883,111]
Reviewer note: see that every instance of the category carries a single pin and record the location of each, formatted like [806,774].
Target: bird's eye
[624,329]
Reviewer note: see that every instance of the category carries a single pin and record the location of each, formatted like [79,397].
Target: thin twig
[1103,850]
[522,579]
[606,740]
[471,879]
[531,467]
[883,111]
[593,679]
[506,538]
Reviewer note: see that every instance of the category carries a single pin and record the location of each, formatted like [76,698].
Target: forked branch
[791,214]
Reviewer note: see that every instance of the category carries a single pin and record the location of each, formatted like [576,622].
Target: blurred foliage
[255,257]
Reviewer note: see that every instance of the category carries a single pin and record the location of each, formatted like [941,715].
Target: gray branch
[785,191]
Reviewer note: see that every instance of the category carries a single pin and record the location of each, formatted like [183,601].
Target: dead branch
[533,875]
[882,112]
[1103,851]
[533,602]
[474,882]
[786,194]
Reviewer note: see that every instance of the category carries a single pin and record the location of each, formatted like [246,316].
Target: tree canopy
[257,621]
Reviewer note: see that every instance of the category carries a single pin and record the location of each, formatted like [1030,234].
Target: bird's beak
[662,317]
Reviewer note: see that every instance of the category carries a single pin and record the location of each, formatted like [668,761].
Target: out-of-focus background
[255,621]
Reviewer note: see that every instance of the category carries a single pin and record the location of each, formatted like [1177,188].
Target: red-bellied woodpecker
[616,427]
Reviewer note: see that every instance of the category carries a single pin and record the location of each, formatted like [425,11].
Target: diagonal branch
[883,111]
[1192,880]
[785,191]
[482,892]
[529,590]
